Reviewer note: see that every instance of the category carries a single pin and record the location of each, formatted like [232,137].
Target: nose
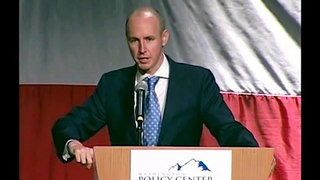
[142,48]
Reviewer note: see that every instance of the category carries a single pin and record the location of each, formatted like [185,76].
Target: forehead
[143,23]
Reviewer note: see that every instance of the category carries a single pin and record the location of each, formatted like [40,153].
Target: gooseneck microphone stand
[140,130]
[140,89]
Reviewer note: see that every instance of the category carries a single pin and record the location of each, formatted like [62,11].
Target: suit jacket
[193,99]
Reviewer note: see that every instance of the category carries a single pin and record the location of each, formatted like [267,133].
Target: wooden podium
[113,162]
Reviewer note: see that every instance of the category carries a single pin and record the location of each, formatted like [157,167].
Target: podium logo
[190,170]
[191,165]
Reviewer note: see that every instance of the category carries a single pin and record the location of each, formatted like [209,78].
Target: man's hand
[83,154]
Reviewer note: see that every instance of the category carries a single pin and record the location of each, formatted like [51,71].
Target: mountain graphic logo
[192,163]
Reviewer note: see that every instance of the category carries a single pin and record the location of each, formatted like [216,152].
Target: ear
[165,37]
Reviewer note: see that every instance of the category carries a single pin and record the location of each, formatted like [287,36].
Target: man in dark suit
[188,97]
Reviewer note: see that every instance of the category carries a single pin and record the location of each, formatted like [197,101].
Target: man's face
[145,41]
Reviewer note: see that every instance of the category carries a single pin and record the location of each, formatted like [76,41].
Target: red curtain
[275,121]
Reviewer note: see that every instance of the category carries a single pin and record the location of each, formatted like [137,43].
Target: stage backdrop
[252,47]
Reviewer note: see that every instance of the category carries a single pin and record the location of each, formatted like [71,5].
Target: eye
[132,40]
[149,38]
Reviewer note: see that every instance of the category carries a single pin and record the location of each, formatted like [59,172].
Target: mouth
[143,60]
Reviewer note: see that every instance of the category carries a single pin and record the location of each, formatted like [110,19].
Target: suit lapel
[171,104]
[128,104]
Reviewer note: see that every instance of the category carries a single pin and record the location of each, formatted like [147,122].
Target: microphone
[141,90]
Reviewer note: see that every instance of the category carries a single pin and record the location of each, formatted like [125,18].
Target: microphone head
[142,85]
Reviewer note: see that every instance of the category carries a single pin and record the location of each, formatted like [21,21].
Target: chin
[143,69]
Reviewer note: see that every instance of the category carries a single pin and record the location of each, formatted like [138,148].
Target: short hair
[150,9]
